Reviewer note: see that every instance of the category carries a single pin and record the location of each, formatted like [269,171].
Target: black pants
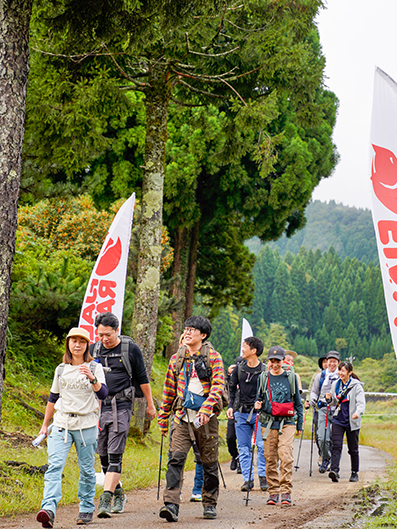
[338,432]
[231,438]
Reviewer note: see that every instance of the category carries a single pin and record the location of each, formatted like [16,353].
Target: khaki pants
[279,448]
[207,443]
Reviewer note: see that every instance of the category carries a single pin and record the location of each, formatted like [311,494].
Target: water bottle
[40,437]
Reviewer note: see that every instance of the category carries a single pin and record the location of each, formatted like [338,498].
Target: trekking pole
[223,479]
[311,450]
[300,443]
[252,460]
[161,457]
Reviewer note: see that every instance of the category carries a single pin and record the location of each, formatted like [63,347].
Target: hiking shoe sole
[116,510]
[84,518]
[209,515]
[44,518]
[168,515]
[334,476]
[104,514]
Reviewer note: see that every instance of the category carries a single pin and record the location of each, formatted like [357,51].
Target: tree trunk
[179,273]
[14,67]
[191,278]
[144,321]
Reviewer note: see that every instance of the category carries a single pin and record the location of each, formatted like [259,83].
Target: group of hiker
[93,391]
[92,395]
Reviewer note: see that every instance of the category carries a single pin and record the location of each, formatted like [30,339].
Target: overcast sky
[356,36]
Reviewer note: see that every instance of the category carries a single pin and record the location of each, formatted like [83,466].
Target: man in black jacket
[116,409]
[244,380]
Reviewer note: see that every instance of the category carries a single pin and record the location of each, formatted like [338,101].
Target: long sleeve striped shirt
[174,387]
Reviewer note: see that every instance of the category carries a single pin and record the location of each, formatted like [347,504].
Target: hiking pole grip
[160,461]
[252,460]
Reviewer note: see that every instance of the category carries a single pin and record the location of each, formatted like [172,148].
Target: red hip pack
[280,409]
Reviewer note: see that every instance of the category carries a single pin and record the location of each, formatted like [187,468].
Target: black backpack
[125,341]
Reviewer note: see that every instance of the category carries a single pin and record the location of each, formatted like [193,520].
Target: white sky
[356,36]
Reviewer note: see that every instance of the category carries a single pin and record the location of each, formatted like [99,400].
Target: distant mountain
[349,230]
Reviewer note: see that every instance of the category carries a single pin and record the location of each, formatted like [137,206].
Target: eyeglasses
[189,330]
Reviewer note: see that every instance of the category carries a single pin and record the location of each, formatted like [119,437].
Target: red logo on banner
[384,177]
[110,258]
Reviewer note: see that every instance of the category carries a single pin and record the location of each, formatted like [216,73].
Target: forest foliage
[349,230]
[312,302]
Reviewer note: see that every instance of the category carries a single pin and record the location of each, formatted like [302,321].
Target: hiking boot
[209,511]
[324,466]
[233,464]
[170,512]
[263,483]
[286,499]
[84,518]
[272,500]
[196,497]
[239,471]
[105,503]
[46,518]
[119,500]
[247,484]
[354,476]
[334,476]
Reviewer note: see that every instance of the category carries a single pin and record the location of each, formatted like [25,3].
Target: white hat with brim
[78,331]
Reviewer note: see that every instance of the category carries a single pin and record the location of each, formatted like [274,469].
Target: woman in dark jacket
[347,394]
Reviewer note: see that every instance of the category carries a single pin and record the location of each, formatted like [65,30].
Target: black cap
[276,352]
[320,361]
[333,354]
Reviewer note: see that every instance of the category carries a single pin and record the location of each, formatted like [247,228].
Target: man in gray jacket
[321,386]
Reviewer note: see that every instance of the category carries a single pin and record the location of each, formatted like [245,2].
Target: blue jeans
[57,454]
[244,432]
[198,479]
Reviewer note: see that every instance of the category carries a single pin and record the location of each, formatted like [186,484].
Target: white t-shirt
[195,386]
[77,396]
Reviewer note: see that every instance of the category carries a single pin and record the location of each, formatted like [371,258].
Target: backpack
[125,341]
[224,401]
[265,417]
[240,370]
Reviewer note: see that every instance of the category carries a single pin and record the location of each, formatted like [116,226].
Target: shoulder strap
[262,382]
[125,358]
[322,378]
[96,350]
[60,369]
[291,380]
[239,371]
[179,361]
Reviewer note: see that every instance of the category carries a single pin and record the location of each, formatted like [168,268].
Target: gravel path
[317,502]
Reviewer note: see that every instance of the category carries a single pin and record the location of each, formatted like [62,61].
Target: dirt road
[317,502]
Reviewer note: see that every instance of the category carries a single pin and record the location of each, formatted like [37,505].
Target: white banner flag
[105,290]
[246,332]
[384,187]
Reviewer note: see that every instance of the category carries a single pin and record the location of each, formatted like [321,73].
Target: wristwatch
[94,381]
